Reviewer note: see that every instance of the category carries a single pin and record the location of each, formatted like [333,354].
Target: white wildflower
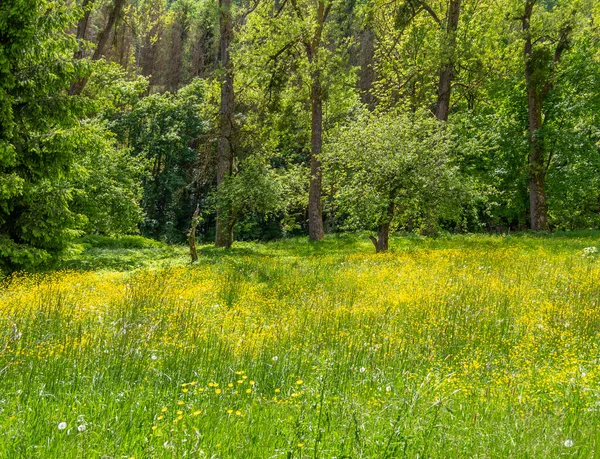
[81,428]
[589,251]
[568,443]
[62,426]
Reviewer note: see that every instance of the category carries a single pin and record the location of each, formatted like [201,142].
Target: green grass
[452,347]
[125,253]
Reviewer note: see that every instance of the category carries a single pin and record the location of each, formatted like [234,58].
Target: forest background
[261,119]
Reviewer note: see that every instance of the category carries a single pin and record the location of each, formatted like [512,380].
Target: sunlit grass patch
[449,347]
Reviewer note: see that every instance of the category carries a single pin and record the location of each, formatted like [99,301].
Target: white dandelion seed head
[362,369]
[275,358]
[388,389]
[568,443]
[81,427]
[153,357]
[62,425]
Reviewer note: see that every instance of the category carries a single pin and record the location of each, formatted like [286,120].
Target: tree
[312,39]
[225,222]
[257,189]
[434,55]
[106,182]
[541,62]
[393,170]
[36,68]
[295,55]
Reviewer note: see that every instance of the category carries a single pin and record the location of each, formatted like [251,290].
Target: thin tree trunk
[367,72]
[315,214]
[82,26]
[224,236]
[103,37]
[192,235]
[447,69]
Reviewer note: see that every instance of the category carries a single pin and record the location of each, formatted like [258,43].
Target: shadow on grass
[128,253]
[125,253]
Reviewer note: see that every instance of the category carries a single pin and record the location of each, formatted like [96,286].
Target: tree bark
[538,208]
[192,235]
[447,68]
[381,243]
[103,36]
[538,211]
[367,72]
[315,214]
[224,236]
[82,26]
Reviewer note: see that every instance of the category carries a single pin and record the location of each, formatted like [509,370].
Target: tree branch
[563,44]
[427,8]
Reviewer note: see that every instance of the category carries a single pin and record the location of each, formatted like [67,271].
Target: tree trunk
[103,36]
[82,26]
[315,215]
[447,69]
[538,209]
[224,236]
[381,243]
[192,235]
[367,72]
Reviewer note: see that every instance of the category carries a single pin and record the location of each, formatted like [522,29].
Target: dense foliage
[166,131]
[35,111]
[124,116]
[394,170]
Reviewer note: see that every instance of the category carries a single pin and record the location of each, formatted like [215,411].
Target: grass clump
[450,347]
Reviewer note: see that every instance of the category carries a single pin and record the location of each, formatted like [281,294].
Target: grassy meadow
[458,347]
